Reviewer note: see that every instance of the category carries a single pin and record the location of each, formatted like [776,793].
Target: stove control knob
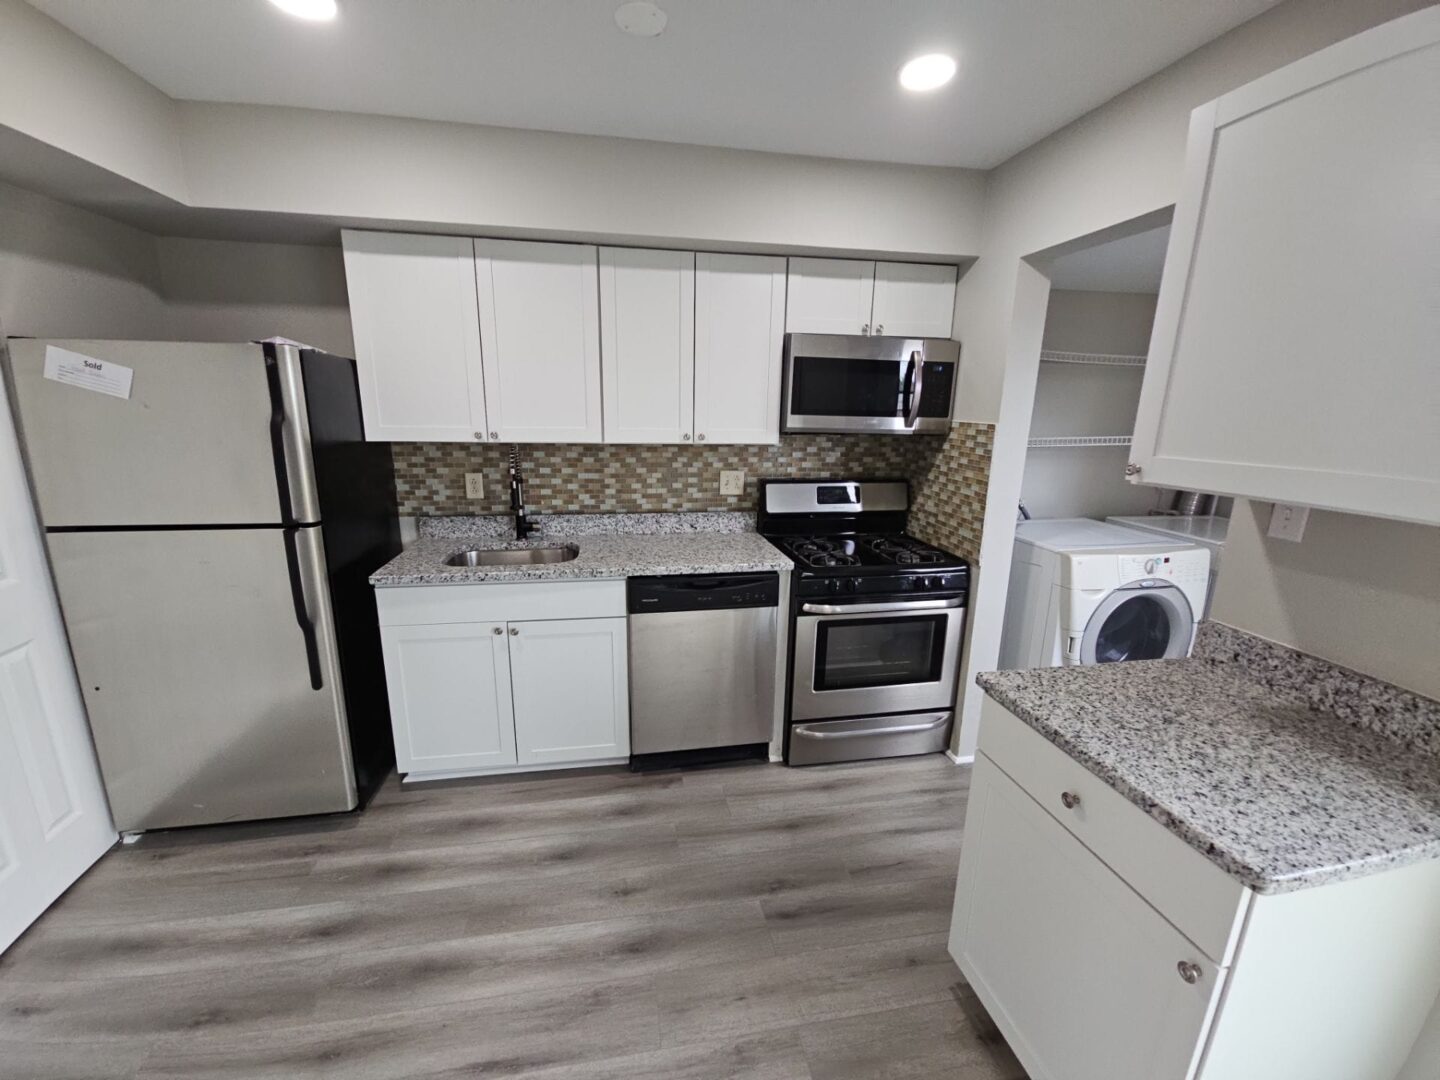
[927,583]
[833,585]
[853,584]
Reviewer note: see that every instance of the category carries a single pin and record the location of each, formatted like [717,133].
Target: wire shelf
[1048,442]
[1106,359]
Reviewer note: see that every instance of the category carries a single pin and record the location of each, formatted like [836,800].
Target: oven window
[825,386]
[1139,629]
[851,654]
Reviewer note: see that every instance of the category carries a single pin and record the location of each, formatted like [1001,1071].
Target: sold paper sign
[77,369]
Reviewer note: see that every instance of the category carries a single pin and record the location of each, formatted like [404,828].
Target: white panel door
[54,822]
[572,696]
[1079,973]
[739,341]
[449,688]
[914,300]
[647,345]
[540,332]
[829,296]
[1293,356]
[417,336]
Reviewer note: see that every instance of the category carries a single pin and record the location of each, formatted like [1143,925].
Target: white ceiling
[1129,265]
[797,76]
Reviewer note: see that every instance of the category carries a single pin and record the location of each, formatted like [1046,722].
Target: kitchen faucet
[523,526]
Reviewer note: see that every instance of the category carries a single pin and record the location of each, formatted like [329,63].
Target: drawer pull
[1069,799]
[1188,971]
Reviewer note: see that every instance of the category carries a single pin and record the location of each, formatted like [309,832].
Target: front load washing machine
[1087,592]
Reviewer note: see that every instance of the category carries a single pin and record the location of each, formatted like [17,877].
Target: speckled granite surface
[601,556]
[1233,757]
[1356,699]
[500,526]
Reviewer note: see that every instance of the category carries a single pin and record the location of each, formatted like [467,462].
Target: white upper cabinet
[540,334]
[739,338]
[417,336]
[846,296]
[1293,354]
[647,344]
[913,300]
[830,296]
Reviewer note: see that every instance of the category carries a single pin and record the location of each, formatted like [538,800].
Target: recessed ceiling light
[928,72]
[641,18]
[313,10]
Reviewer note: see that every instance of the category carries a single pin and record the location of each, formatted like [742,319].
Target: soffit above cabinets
[800,78]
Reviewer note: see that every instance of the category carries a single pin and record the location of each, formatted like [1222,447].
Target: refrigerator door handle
[299,575]
[290,431]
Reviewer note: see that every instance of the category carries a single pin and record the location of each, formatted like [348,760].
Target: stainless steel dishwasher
[702,664]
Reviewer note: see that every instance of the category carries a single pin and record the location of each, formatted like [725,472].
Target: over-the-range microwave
[872,385]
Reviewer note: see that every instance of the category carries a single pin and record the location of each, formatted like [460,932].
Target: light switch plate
[732,482]
[474,485]
[1287,522]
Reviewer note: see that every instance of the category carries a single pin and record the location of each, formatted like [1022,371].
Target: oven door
[864,659]
[884,385]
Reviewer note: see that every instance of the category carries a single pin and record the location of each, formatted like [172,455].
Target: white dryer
[1087,592]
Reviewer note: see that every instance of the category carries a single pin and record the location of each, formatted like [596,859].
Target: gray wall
[65,272]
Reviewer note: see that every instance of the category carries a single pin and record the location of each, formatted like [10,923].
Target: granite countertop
[710,546]
[1282,769]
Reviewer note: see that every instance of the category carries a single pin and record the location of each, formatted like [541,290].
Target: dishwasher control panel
[701,592]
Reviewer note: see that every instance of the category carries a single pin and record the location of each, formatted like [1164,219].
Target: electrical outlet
[732,482]
[1287,522]
[474,485]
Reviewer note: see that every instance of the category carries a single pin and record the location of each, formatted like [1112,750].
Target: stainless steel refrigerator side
[196,680]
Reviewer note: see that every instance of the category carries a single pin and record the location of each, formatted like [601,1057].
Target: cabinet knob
[699,438]
[686,437]
[1132,469]
[865,328]
[498,630]
[480,435]
[880,329]
[1188,971]
[514,631]
[495,435]
[1069,799]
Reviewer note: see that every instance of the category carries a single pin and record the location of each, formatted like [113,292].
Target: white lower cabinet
[571,689]
[1106,948]
[506,677]
[450,698]
[1082,974]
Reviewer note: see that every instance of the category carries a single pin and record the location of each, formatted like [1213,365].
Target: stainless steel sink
[514,556]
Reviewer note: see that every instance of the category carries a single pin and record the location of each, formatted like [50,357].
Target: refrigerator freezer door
[192,445]
[199,654]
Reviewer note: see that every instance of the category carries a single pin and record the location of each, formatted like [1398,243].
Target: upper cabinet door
[829,296]
[1293,354]
[417,336]
[647,344]
[540,328]
[739,339]
[913,300]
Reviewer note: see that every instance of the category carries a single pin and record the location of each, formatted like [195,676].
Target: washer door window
[1139,623]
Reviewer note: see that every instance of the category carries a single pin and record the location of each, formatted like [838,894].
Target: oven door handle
[807,731]
[917,383]
[902,605]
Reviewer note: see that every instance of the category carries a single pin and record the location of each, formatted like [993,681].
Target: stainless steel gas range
[877,618]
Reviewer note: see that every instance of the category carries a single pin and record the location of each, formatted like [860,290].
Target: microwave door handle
[917,382]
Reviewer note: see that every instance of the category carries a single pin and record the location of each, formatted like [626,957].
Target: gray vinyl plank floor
[742,923]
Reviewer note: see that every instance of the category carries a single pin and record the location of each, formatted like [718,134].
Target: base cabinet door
[450,702]
[1081,975]
[572,700]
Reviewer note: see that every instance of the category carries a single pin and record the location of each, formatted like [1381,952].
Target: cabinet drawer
[1205,903]
[425,605]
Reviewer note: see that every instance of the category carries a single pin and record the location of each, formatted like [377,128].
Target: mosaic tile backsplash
[603,478]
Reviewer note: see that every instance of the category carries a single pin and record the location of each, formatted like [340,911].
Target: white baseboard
[958,760]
